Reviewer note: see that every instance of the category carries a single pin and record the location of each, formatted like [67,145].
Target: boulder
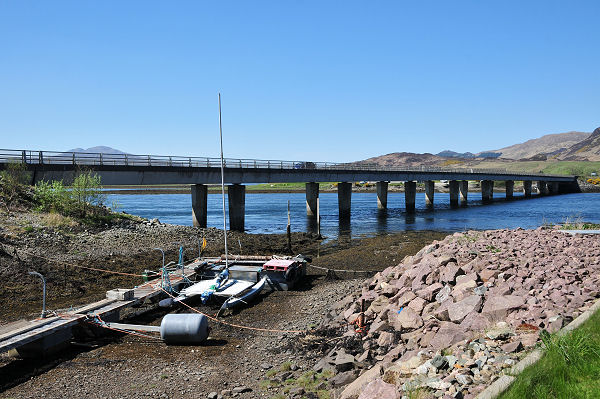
[443,294]
[459,310]
[497,307]
[400,369]
[441,313]
[344,378]
[474,322]
[405,318]
[385,339]
[417,304]
[356,387]
[429,292]
[449,273]
[448,334]
[344,361]
[511,347]
[406,298]
[378,389]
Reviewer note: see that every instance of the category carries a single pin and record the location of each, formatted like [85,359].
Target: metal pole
[43,292]
[318,219]
[289,229]
[223,185]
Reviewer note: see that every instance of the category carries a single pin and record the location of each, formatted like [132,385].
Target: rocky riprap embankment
[451,318]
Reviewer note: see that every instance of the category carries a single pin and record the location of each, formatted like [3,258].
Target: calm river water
[267,213]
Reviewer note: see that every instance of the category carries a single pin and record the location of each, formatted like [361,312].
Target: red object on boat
[278,265]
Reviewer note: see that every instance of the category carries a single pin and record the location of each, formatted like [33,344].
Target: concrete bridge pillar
[553,187]
[453,186]
[464,191]
[487,190]
[429,193]
[510,186]
[382,192]
[344,199]
[410,194]
[237,206]
[527,188]
[312,194]
[542,188]
[199,204]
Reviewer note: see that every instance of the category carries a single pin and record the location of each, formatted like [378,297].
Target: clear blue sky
[337,81]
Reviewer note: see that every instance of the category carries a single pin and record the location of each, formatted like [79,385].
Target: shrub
[51,196]
[86,191]
[13,178]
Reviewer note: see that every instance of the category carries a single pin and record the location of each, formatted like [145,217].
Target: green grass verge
[572,168]
[570,367]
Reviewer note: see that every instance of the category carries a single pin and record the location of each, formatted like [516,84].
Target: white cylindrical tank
[184,328]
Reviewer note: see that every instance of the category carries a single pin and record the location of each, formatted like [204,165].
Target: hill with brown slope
[548,144]
[408,159]
[585,150]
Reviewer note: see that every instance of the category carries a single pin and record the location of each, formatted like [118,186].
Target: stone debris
[450,319]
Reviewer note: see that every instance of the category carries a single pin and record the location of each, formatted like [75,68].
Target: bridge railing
[103,159]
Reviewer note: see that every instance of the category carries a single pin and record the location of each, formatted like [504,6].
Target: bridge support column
[510,186]
[527,188]
[553,187]
[237,206]
[410,194]
[487,190]
[382,192]
[453,186]
[199,204]
[464,191]
[429,193]
[344,199]
[312,194]
[542,188]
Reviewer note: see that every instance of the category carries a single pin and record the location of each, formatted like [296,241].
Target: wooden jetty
[44,335]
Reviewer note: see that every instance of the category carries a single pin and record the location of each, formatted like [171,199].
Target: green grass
[570,367]
[579,168]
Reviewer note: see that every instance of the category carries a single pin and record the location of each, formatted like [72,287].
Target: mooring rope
[82,267]
[341,270]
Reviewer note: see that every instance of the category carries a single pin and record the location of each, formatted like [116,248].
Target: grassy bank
[570,367]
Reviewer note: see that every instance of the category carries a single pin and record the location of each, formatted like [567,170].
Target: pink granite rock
[429,292]
[459,310]
[497,307]
[448,334]
[378,389]
[405,318]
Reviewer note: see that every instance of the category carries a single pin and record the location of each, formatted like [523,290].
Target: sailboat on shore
[244,278]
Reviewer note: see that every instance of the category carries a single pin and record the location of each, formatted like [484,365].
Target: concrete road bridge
[127,169]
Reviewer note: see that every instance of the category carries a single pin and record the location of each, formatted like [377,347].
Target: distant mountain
[407,159]
[454,154]
[587,149]
[98,149]
[548,144]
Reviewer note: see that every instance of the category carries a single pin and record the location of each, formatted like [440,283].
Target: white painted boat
[244,298]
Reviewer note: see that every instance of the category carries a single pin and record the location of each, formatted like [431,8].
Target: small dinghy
[244,298]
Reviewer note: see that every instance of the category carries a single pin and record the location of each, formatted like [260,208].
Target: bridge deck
[128,169]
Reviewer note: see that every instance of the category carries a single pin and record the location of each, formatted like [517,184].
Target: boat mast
[223,186]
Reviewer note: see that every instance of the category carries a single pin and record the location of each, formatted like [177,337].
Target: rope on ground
[232,324]
[82,267]
[341,270]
